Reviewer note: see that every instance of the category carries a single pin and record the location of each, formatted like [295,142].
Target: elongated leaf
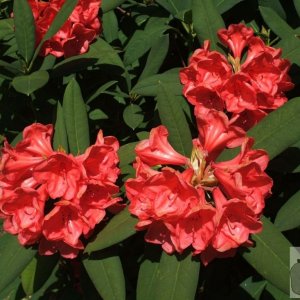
[172,116]
[76,119]
[174,277]
[24,29]
[14,258]
[274,133]
[288,216]
[60,139]
[252,287]
[27,84]
[127,154]
[37,272]
[224,5]
[175,6]
[270,256]
[59,20]
[149,86]
[6,29]
[276,293]
[101,90]
[290,49]
[118,229]
[110,4]
[110,28]
[11,291]
[297,6]
[276,23]
[156,56]
[275,5]
[207,21]
[107,275]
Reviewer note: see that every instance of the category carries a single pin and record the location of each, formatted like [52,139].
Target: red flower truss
[52,198]
[210,206]
[75,35]
[248,90]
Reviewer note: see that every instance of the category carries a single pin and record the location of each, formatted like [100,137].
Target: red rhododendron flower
[52,198]
[211,207]
[75,35]
[249,89]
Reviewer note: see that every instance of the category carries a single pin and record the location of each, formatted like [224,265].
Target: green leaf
[275,5]
[175,6]
[276,293]
[172,116]
[28,84]
[60,139]
[290,49]
[76,119]
[110,26]
[101,90]
[11,291]
[59,20]
[37,272]
[174,277]
[207,21]
[133,115]
[224,5]
[252,287]
[288,216]
[276,23]
[110,4]
[97,114]
[106,273]
[149,86]
[156,56]
[127,154]
[24,29]
[14,258]
[118,229]
[297,6]
[143,40]
[270,256]
[274,132]
[6,29]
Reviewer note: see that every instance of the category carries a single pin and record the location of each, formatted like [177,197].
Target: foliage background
[126,84]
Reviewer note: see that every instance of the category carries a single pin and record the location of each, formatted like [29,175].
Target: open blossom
[52,198]
[248,89]
[75,35]
[210,206]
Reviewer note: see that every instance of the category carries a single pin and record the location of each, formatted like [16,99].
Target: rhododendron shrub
[249,83]
[81,28]
[211,206]
[193,191]
[53,198]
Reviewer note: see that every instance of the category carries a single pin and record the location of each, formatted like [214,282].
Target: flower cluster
[54,198]
[198,202]
[247,88]
[75,35]
[210,206]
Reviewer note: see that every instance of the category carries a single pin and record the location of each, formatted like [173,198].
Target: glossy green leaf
[127,154]
[37,272]
[60,139]
[224,5]
[276,23]
[133,116]
[24,29]
[288,216]
[76,119]
[106,273]
[253,288]
[110,26]
[276,293]
[98,114]
[207,21]
[108,5]
[156,56]
[61,17]
[6,29]
[120,227]
[174,277]
[270,256]
[149,86]
[14,258]
[175,6]
[290,48]
[28,84]
[101,90]
[11,291]
[274,132]
[142,40]
[173,117]
[275,5]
